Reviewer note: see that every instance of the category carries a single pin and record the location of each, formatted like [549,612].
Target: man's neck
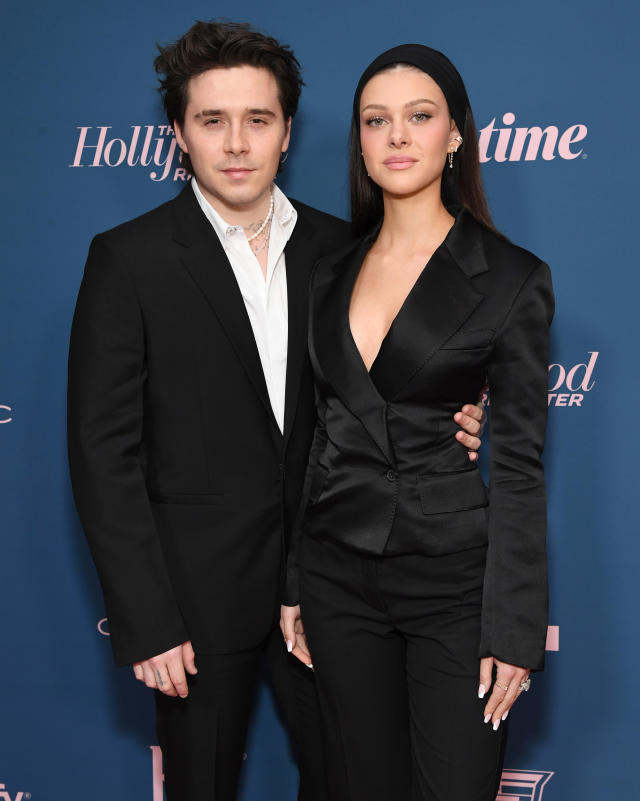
[245,215]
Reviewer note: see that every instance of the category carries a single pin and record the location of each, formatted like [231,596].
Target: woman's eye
[421,116]
[375,122]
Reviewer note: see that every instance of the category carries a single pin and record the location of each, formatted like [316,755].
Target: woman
[423,595]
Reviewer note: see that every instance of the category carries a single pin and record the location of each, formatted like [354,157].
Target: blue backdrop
[85,148]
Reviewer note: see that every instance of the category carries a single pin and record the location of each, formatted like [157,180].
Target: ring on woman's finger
[502,687]
[525,685]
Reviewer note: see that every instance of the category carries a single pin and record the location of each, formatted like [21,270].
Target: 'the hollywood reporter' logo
[5,414]
[568,385]
[145,145]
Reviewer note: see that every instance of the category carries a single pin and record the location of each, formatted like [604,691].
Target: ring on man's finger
[502,687]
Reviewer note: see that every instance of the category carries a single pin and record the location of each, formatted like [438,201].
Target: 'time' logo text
[527,144]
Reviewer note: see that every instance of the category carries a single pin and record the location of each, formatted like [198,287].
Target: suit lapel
[299,258]
[336,350]
[205,260]
[440,302]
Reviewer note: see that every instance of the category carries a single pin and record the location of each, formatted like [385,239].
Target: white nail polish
[310,666]
[487,718]
[495,725]
[481,691]
[289,646]
[504,717]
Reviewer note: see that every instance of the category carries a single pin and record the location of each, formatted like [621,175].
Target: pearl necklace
[265,222]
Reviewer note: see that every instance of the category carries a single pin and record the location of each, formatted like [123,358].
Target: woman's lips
[399,162]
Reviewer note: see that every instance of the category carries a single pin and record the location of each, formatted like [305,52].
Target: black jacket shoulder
[142,228]
[322,220]
[503,254]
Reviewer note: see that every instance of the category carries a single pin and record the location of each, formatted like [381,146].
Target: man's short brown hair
[207,45]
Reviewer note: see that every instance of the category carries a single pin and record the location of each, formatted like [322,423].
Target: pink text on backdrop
[5,795]
[509,144]
[523,785]
[155,146]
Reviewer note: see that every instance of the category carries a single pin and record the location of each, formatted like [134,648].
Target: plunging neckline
[402,306]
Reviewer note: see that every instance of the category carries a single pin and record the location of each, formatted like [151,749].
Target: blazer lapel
[299,258]
[205,260]
[336,350]
[439,303]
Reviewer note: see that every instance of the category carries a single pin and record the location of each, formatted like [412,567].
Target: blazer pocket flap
[452,492]
[470,339]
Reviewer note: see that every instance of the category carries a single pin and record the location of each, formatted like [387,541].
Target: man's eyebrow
[216,112]
[209,112]
[265,112]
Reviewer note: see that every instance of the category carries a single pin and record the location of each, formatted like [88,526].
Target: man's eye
[212,122]
[258,120]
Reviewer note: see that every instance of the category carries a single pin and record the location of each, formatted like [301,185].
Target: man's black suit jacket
[184,484]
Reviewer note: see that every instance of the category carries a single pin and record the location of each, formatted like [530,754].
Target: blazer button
[391,475]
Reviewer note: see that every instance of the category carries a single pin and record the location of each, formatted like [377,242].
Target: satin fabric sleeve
[105,433]
[515,597]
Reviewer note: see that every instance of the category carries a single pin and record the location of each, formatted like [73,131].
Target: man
[191,412]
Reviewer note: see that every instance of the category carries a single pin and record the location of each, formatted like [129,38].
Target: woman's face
[405,131]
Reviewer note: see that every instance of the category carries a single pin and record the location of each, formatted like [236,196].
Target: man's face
[234,132]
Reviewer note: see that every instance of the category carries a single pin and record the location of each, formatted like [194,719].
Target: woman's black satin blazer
[386,474]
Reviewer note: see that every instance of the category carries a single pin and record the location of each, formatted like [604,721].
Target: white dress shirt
[264,299]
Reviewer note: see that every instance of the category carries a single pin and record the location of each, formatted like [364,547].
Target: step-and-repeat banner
[86,147]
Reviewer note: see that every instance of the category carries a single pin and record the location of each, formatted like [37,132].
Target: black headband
[434,63]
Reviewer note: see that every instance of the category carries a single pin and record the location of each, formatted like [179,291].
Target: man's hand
[471,420]
[166,672]
[293,633]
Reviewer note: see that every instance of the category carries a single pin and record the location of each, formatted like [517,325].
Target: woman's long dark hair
[461,185]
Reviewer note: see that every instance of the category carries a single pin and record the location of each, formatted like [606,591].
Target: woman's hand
[293,633]
[510,682]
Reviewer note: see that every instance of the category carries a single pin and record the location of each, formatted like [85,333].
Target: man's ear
[179,137]
[287,135]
